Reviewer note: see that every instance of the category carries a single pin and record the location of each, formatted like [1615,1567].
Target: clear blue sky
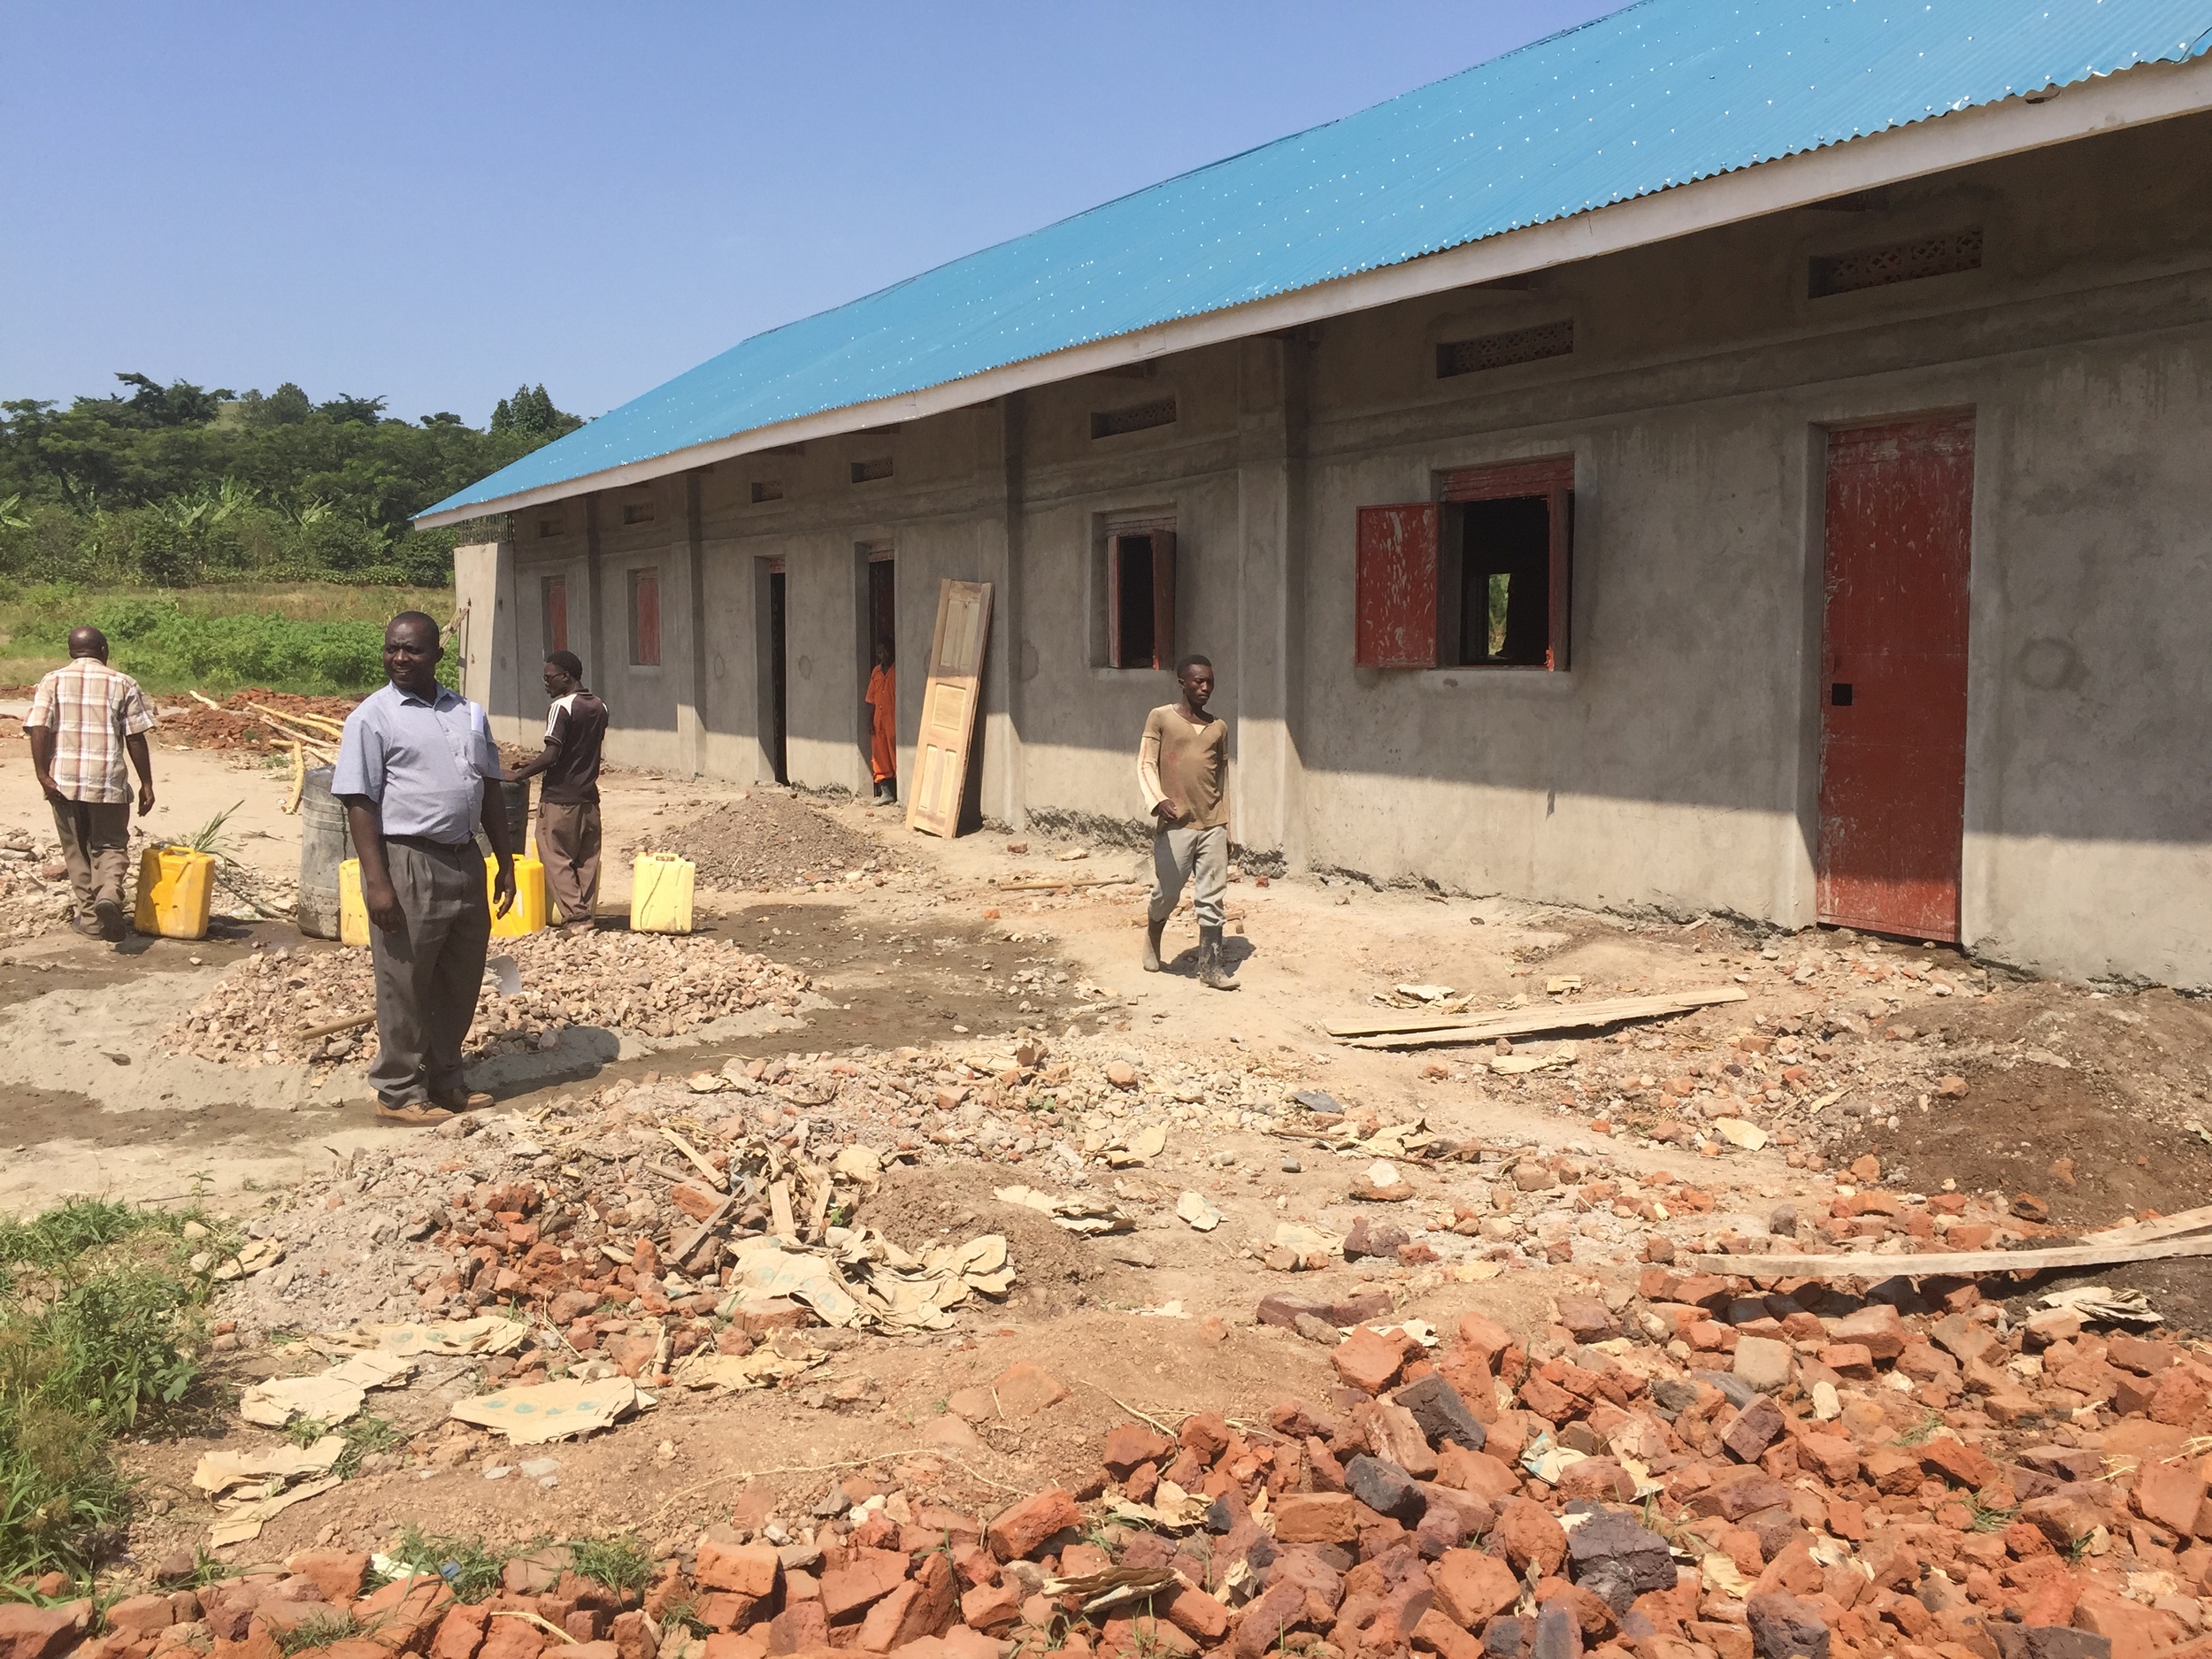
[436,201]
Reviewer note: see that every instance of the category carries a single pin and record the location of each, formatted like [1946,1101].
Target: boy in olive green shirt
[1183,768]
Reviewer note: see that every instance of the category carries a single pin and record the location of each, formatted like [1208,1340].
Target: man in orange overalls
[883,729]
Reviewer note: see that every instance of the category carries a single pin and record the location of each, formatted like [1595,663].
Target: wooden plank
[1520,1022]
[2158,1227]
[948,705]
[780,1211]
[713,1176]
[687,1243]
[1944,1264]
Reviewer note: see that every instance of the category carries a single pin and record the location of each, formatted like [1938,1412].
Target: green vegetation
[307,637]
[363,1434]
[318,1629]
[622,1564]
[470,1567]
[100,1318]
[178,484]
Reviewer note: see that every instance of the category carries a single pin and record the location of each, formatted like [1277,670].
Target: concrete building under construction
[1755,458]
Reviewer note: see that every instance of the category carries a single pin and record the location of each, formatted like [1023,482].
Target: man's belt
[424,844]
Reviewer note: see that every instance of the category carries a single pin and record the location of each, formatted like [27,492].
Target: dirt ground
[2095,1103]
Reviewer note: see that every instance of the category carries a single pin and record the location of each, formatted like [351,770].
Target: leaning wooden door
[1893,718]
[956,680]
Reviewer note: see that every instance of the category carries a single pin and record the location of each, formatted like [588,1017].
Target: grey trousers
[95,845]
[568,846]
[1200,856]
[428,973]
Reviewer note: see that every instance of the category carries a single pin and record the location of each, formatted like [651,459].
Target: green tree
[175,485]
[530,413]
[346,407]
[179,404]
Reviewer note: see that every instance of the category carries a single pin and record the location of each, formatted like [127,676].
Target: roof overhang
[2130,97]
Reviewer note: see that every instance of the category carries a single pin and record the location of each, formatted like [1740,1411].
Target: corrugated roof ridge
[1867,68]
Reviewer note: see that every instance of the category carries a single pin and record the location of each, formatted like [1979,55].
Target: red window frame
[1405,595]
[645,618]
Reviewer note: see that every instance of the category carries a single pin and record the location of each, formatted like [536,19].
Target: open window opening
[1140,598]
[1478,580]
[1504,612]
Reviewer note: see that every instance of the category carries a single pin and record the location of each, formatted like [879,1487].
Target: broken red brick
[1017,1531]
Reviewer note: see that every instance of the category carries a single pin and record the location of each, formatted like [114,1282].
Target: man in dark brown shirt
[568,803]
[1183,768]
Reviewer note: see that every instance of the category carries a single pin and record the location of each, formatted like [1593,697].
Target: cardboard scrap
[1077,1213]
[540,1412]
[1146,1144]
[255,1255]
[1516,1064]
[1197,1210]
[487,1333]
[736,1373]
[221,1470]
[244,1523]
[322,1398]
[762,1269]
[378,1368]
[1740,1132]
[334,1394]
[2104,1305]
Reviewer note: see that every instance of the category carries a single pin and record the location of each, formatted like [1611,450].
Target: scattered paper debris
[218,1472]
[1518,1064]
[1740,1132]
[2097,1301]
[737,1373]
[244,1524]
[489,1333]
[1078,1213]
[322,1398]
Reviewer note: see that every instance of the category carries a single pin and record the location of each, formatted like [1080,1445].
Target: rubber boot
[1211,973]
[1152,932]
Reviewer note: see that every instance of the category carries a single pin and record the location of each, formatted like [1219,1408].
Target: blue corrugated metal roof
[1660,94]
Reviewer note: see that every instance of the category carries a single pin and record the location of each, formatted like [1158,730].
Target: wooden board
[1414,1031]
[949,701]
[1944,1263]
[2197,1220]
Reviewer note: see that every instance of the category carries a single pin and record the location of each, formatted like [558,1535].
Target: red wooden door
[1892,690]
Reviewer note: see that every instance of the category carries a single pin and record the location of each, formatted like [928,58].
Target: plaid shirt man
[90,709]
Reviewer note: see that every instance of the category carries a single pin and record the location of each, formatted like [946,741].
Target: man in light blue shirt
[412,768]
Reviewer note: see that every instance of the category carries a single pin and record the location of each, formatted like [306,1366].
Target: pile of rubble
[236,723]
[652,985]
[1933,1474]
[633,1206]
[34,891]
[765,840]
[1859,1041]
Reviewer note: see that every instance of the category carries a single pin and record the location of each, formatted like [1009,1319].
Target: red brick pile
[1927,1476]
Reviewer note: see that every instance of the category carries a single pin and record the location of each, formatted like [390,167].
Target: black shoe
[110,915]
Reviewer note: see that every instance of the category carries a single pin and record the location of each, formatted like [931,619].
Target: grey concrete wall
[1675,762]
